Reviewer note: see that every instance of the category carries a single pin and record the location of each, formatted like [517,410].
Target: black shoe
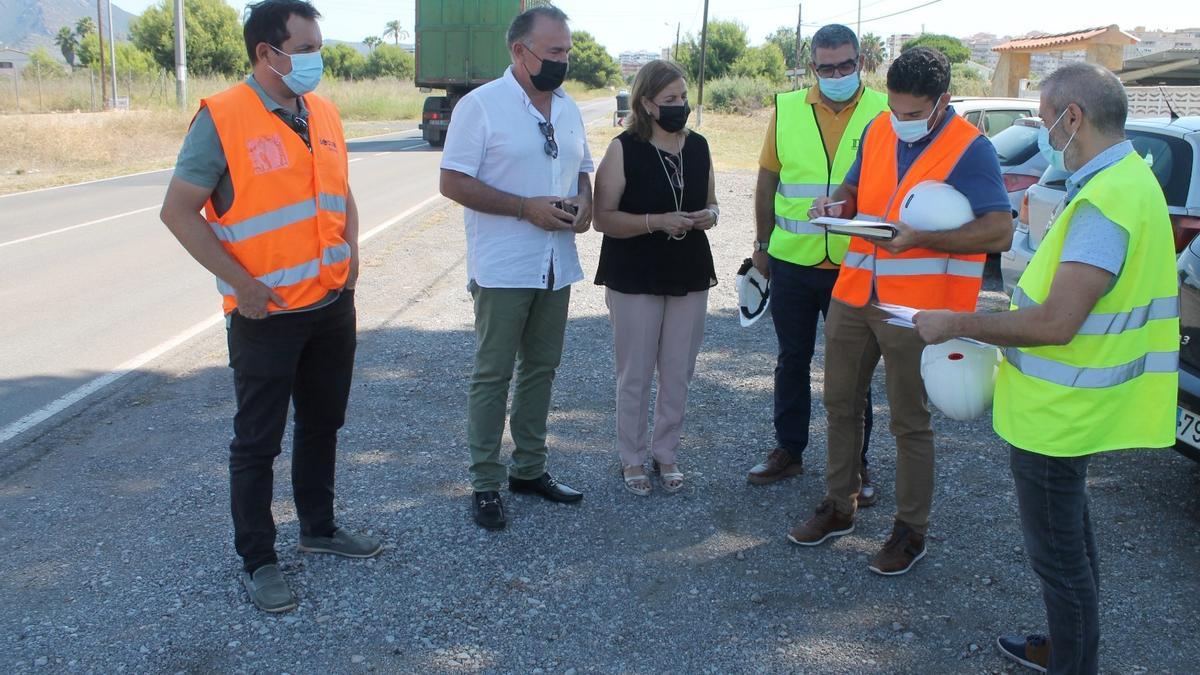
[1031,651]
[488,510]
[546,487]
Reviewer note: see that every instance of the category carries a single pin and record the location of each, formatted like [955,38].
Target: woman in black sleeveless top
[655,197]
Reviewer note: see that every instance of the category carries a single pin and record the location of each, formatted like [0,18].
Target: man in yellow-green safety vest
[811,143]
[1091,349]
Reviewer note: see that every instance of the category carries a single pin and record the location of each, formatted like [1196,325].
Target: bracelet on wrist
[521,208]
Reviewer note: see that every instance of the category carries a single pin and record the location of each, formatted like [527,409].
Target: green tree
[43,65]
[84,27]
[591,64]
[372,41]
[391,61]
[873,52]
[764,62]
[727,41]
[785,39]
[214,37]
[397,33]
[344,62]
[130,58]
[952,47]
[67,43]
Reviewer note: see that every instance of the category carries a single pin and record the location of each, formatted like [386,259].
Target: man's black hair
[921,72]
[266,21]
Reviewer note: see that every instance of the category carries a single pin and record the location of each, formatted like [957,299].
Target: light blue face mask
[306,71]
[911,131]
[839,89]
[1056,158]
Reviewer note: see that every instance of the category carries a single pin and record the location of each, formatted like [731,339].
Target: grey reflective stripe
[908,267]
[1117,322]
[858,260]
[802,190]
[335,254]
[330,202]
[1091,378]
[288,276]
[797,226]
[266,222]
[869,219]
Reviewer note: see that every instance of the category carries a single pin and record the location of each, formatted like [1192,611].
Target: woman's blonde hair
[650,81]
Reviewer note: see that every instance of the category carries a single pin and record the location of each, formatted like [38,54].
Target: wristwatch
[762,245]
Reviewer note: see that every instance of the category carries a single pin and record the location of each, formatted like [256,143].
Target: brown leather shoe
[867,496]
[825,524]
[779,465]
[900,552]
[1031,651]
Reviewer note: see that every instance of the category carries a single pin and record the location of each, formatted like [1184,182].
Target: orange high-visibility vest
[920,277]
[287,223]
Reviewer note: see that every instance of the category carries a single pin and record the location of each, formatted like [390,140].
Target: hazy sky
[623,25]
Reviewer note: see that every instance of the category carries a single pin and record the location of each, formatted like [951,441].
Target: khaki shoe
[268,591]
[343,543]
[778,465]
[825,524]
[900,552]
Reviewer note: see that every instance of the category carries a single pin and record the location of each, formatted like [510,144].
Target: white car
[993,115]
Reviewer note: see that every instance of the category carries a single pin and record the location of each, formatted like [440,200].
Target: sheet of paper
[903,317]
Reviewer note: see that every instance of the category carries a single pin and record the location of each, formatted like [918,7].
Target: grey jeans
[1053,502]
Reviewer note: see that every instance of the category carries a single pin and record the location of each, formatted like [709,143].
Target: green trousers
[521,329]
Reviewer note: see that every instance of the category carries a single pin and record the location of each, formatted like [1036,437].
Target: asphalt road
[96,286]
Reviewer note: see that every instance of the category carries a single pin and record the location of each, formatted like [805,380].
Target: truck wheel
[438,140]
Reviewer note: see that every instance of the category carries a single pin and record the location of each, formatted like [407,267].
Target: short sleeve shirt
[1092,237]
[977,175]
[494,136]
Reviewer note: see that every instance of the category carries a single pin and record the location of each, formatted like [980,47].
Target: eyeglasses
[676,172]
[843,69]
[551,147]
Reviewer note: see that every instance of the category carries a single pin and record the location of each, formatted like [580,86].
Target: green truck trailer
[460,44]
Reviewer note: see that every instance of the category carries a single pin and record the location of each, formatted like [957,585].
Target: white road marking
[76,227]
[66,401]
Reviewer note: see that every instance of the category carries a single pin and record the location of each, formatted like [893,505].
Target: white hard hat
[960,377]
[754,294]
[932,206]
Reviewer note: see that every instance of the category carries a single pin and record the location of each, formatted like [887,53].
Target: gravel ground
[118,552]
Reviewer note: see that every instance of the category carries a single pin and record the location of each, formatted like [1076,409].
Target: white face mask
[911,131]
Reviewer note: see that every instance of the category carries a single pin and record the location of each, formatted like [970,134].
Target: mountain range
[29,24]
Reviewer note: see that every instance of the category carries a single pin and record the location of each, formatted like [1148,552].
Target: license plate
[1187,427]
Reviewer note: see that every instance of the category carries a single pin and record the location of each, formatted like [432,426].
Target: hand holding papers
[903,316]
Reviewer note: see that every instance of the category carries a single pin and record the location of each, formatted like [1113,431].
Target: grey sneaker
[268,591]
[343,543]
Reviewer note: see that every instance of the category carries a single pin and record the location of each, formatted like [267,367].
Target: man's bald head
[1098,93]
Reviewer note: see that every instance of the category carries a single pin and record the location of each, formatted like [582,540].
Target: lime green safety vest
[807,174]
[1114,385]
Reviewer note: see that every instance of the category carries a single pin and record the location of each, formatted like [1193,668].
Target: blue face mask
[1056,158]
[911,131]
[839,89]
[306,71]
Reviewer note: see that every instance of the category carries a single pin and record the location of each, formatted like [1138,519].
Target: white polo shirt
[494,137]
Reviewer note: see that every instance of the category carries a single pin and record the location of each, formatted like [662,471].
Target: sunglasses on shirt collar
[551,147]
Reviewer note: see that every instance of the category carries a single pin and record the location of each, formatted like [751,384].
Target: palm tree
[372,41]
[397,33]
[873,52]
[67,43]
[84,27]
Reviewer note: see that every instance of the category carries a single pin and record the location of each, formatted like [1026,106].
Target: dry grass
[733,139]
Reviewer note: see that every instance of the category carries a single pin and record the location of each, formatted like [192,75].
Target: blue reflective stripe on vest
[335,254]
[856,260]
[287,276]
[265,222]
[1091,378]
[328,202]
[910,267]
[1116,322]
[802,190]
[797,226]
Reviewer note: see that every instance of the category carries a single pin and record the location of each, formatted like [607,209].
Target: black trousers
[307,359]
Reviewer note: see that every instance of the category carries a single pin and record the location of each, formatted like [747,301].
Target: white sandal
[669,477]
[632,481]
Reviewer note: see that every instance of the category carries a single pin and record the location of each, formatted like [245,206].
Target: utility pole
[703,55]
[858,28]
[180,56]
[675,54]
[799,47]
[100,37]
[112,54]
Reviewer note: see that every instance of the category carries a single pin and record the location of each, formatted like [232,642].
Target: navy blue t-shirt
[977,174]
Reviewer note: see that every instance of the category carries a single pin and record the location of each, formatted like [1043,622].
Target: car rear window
[1016,145]
[1170,159]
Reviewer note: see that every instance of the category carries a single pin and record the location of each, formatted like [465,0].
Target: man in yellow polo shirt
[810,145]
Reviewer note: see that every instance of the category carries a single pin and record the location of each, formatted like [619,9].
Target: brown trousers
[855,339]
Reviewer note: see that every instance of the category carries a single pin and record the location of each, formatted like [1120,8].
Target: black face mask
[550,76]
[672,118]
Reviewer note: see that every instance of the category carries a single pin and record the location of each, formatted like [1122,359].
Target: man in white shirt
[516,157]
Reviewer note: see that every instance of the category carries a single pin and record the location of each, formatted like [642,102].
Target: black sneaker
[488,510]
[1031,651]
